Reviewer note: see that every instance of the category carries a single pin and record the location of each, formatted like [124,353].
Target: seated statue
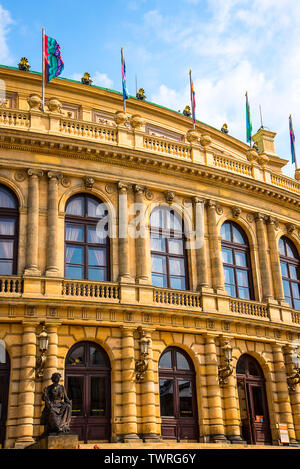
[56,415]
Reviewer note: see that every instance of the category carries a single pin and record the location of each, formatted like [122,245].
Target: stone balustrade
[251,308]
[13,118]
[11,286]
[94,290]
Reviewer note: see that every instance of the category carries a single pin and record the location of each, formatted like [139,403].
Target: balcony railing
[11,286]
[232,165]
[165,146]
[13,118]
[94,290]
[87,130]
[176,298]
[285,182]
[250,308]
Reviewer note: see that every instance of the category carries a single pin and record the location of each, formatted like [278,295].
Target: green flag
[248,121]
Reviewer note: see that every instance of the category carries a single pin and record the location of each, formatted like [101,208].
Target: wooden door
[4,388]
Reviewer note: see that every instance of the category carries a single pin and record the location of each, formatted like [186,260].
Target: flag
[193,101]
[53,64]
[123,69]
[292,138]
[248,121]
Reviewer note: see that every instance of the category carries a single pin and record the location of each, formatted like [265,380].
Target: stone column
[149,425]
[215,247]
[33,222]
[274,256]
[294,395]
[52,235]
[284,404]
[216,424]
[129,408]
[143,261]
[26,391]
[263,258]
[124,264]
[200,247]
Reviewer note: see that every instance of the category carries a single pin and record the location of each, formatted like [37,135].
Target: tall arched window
[290,271]
[9,218]
[86,244]
[168,254]
[236,261]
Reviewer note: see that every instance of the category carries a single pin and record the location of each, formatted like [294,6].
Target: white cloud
[5,22]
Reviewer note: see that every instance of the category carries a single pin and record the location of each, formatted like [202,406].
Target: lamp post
[294,378]
[43,340]
[141,365]
[226,370]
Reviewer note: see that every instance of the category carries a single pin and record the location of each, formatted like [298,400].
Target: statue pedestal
[56,441]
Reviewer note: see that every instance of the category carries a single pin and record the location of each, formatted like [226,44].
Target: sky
[230,45]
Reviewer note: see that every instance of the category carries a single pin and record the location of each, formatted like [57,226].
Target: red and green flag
[248,121]
[53,64]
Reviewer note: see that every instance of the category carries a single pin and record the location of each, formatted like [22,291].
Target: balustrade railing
[233,165]
[88,130]
[11,285]
[97,290]
[285,182]
[177,298]
[164,146]
[14,118]
[249,307]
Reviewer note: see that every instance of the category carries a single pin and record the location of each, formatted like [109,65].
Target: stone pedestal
[54,441]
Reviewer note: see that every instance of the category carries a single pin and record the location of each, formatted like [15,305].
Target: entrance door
[4,387]
[253,401]
[88,386]
[178,403]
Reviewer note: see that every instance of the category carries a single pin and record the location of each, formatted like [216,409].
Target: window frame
[86,222]
[243,248]
[290,261]
[13,214]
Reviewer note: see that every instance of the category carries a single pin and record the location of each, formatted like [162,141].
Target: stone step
[175,446]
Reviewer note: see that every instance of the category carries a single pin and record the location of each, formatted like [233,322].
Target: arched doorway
[88,386]
[4,388]
[178,403]
[253,401]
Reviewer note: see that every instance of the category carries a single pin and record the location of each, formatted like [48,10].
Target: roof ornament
[24,65]
[187,111]
[141,94]
[86,79]
[224,128]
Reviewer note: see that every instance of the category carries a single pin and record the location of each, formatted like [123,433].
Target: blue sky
[230,45]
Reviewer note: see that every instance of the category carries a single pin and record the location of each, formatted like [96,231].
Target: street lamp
[226,370]
[141,365]
[294,378]
[43,340]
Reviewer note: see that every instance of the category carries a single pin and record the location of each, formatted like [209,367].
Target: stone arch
[186,217]
[15,189]
[243,224]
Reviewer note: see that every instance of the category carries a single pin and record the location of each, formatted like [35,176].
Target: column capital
[198,200]
[138,189]
[123,186]
[35,172]
[260,216]
[214,204]
[270,220]
[54,175]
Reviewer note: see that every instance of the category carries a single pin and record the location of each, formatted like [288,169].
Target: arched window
[86,244]
[236,261]
[168,254]
[9,218]
[290,271]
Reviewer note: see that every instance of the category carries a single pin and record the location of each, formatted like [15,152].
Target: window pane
[225,232]
[176,266]
[297,304]
[253,368]
[159,280]
[244,293]
[289,251]
[231,290]
[286,288]
[166,360]
[6,249]
[76,207]
[293,272]
[95,208]
[7,226]
[6,267]
[289,301]
[98,391]
[258,403]
[242,278]
[182,363]
[97,235]
[74,254]
[166,397]
[177,283]
[97,274]
[96,356]
[240,367]
[284,269]
[175,246]
[97,256]
[159,264]
[237,236]
[241,258]
[75,394]
[295,290]
[74,272]
[76,357]
[229,275]
[158,244]
[74,233]
[281,247]
[6,199]
[227,256]
[185,398]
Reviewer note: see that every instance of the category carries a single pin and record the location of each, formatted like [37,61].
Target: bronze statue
[56,415]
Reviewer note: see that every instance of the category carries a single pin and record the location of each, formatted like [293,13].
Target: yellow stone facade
[84,143]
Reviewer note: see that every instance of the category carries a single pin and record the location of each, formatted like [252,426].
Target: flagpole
[43,69]
[296,166]
[248,123]
[192,104]
[124,100]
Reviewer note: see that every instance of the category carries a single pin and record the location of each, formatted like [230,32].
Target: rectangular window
[166,392]
[185,398]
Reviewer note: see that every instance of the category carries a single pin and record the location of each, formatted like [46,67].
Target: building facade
[160,262]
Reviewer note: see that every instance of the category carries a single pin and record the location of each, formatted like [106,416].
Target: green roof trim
[112,91]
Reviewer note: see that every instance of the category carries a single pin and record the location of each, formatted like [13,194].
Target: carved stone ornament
[250,218]
[86,79]
[123,186]
[120,117]
[273,220]
[20,175]
[136,121]
[35,102]
[187,111]
[205,140]
[251,155]
[260,216]
[109,188]
[65,181]
[89,182]
[236,211]
[297,174]
[141,94]
[24,65]
[263,159]
[290,228]
[54,105]
[192,136]
[169,196]
[149,195]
